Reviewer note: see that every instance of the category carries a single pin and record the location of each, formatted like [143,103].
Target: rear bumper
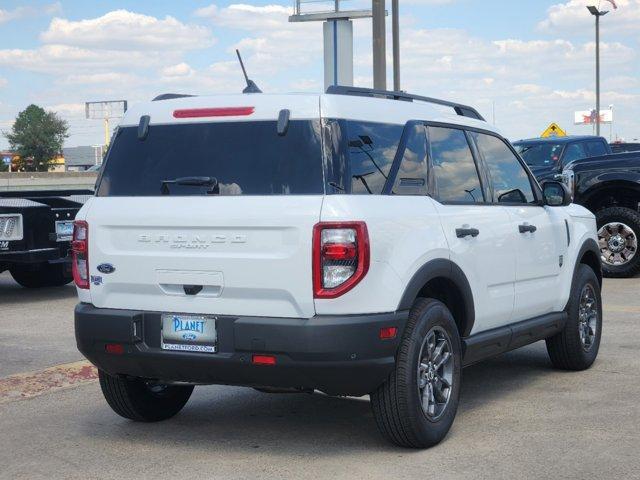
[39,255]
[340,355]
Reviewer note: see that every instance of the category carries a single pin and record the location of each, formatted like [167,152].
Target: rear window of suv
[246,158]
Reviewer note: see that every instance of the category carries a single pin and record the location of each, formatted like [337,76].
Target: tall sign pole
[395,26]
[337,28]
[597,13]
[379,45]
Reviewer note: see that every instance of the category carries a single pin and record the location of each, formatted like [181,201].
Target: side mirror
[556,194]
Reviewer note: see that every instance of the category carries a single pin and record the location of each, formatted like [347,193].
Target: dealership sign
[589,117]
[6,160]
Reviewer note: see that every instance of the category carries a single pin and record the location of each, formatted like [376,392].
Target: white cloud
[573,16]
[247,17]
[61,59]
[124,30]
[179,70]
[101,78]
[70,109]
[19,13]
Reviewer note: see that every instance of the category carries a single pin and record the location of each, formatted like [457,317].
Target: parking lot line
[33,384]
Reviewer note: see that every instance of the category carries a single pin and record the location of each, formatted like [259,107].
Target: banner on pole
[589,117]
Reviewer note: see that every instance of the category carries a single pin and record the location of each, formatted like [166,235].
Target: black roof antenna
[251,85]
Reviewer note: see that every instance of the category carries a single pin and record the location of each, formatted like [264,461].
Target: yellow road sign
[553,130]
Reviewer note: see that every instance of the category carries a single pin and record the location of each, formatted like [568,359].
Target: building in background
[79,159]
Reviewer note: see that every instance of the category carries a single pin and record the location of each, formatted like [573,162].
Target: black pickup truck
[609,186]
[546,157]
[35,235]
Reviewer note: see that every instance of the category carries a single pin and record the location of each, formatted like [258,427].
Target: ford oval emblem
[106,268]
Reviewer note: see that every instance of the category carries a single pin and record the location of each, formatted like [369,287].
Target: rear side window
[246,158]
[372,148]
[412,174]
[511,183]
[454,169]
[595,149]
[574,151]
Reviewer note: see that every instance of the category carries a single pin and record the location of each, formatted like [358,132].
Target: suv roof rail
[171,96]
[460,109]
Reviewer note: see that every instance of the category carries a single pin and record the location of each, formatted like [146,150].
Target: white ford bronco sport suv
[356,242]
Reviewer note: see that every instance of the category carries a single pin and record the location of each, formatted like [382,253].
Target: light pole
[379,45]
[597,13]
[395,29]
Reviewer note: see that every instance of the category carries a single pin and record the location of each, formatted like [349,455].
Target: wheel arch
[443,280]
[589,254]
[625,193]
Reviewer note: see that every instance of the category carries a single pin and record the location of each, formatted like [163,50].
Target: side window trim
[397,159]
[481,168]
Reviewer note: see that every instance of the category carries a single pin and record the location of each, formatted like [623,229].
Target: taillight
[80,254]
[340,257]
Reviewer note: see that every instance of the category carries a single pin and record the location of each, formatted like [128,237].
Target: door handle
[527,228]
[467,232]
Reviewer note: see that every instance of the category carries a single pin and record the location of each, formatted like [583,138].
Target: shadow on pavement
[241,419]
[11,292]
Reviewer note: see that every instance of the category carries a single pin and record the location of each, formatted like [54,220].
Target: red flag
[613,2]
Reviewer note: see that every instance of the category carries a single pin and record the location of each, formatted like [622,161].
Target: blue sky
[533,60]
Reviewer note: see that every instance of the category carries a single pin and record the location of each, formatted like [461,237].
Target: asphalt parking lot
[518,417]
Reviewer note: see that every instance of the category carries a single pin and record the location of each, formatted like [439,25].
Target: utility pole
[395,26]
[597,13]
[379,45]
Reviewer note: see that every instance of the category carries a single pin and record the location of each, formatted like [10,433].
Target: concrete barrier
[47,181]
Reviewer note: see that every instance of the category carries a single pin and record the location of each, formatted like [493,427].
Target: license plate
[189,333]
[64,231]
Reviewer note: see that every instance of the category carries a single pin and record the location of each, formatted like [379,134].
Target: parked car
[609,186]
[356,242]
[546,157]
[35,235]
[624,147]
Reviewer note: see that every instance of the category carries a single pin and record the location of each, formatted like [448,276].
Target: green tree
[37,136]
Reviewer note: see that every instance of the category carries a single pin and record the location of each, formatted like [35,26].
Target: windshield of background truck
[540,154]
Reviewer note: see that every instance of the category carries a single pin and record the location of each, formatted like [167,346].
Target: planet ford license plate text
[189,333]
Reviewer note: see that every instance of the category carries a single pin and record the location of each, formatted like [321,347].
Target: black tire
[43,275]
[397,404]
[566,349]
[631,218]
[138,400]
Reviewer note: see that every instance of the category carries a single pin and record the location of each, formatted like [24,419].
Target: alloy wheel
[588,317]
[435,373]
[618,243]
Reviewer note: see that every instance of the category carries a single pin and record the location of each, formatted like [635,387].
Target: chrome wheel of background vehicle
[618,243]
[588,316]
[435,373]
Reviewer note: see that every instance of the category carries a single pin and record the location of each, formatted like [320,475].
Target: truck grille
[10,227]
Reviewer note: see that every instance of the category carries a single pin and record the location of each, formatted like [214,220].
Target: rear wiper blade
[210,182]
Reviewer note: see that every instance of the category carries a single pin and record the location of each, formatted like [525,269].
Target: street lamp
[597,13]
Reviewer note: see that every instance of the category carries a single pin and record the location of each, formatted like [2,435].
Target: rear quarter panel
[404,233]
